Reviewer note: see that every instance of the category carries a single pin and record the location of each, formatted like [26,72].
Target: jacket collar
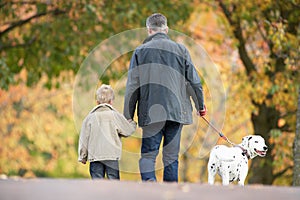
[102,105]
[156,36]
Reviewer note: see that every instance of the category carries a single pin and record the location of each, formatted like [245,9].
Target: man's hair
[157,22]
[105,94]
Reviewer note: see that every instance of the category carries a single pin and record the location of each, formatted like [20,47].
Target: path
[63,189]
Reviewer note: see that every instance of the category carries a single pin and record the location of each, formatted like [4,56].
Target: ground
[62,189]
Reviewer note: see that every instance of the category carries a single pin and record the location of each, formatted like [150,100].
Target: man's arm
[194,85]
[132,88]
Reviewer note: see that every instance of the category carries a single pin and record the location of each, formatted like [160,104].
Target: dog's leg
[212,169]
[225,178]
[243,175]
[211,176]
[224,173]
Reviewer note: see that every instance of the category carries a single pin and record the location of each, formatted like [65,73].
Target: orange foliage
[37,131]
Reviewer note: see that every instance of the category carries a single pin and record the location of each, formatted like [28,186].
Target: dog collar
[244,152]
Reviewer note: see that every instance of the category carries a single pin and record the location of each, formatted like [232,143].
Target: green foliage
[51,37]
[275,133]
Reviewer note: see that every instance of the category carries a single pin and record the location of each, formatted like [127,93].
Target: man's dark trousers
[152,137]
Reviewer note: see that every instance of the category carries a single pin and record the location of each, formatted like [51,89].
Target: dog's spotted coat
[231,163]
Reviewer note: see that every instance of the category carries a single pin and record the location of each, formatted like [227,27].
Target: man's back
[160,49]
[160,65]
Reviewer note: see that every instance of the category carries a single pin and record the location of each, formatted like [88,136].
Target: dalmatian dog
[231,163]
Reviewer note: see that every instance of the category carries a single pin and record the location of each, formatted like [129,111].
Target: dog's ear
[248,137]
[245,140]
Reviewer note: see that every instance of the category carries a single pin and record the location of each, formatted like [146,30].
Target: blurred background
[253,45]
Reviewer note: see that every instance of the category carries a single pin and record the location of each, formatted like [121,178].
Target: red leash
[219,132]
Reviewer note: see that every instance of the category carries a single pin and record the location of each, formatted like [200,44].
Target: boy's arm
[125,127]
[83,141]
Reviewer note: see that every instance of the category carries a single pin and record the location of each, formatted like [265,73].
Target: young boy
[99,141]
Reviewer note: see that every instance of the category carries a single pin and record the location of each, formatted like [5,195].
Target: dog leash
[245,152]
[219,132]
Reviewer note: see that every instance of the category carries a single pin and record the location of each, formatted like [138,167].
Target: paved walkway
[73,189]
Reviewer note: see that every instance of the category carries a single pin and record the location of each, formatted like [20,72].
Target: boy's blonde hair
[105,94]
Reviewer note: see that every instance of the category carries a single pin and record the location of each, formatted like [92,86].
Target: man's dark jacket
[161,80]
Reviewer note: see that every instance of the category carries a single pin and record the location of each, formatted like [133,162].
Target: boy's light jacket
[100,134]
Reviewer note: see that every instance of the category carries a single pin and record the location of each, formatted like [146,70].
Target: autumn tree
[267,39]
[37,135]
[296,178]
[48,37]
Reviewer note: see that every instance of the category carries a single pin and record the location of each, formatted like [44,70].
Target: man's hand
[202,113]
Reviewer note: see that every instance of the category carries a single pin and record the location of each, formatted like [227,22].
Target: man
[161,79]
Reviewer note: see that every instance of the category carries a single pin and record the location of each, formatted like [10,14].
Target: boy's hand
[83,162]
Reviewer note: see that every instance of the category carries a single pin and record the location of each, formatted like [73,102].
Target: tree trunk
[261,170]
[296,177]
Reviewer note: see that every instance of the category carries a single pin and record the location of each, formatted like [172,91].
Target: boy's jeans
[152,136]
[99,168]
